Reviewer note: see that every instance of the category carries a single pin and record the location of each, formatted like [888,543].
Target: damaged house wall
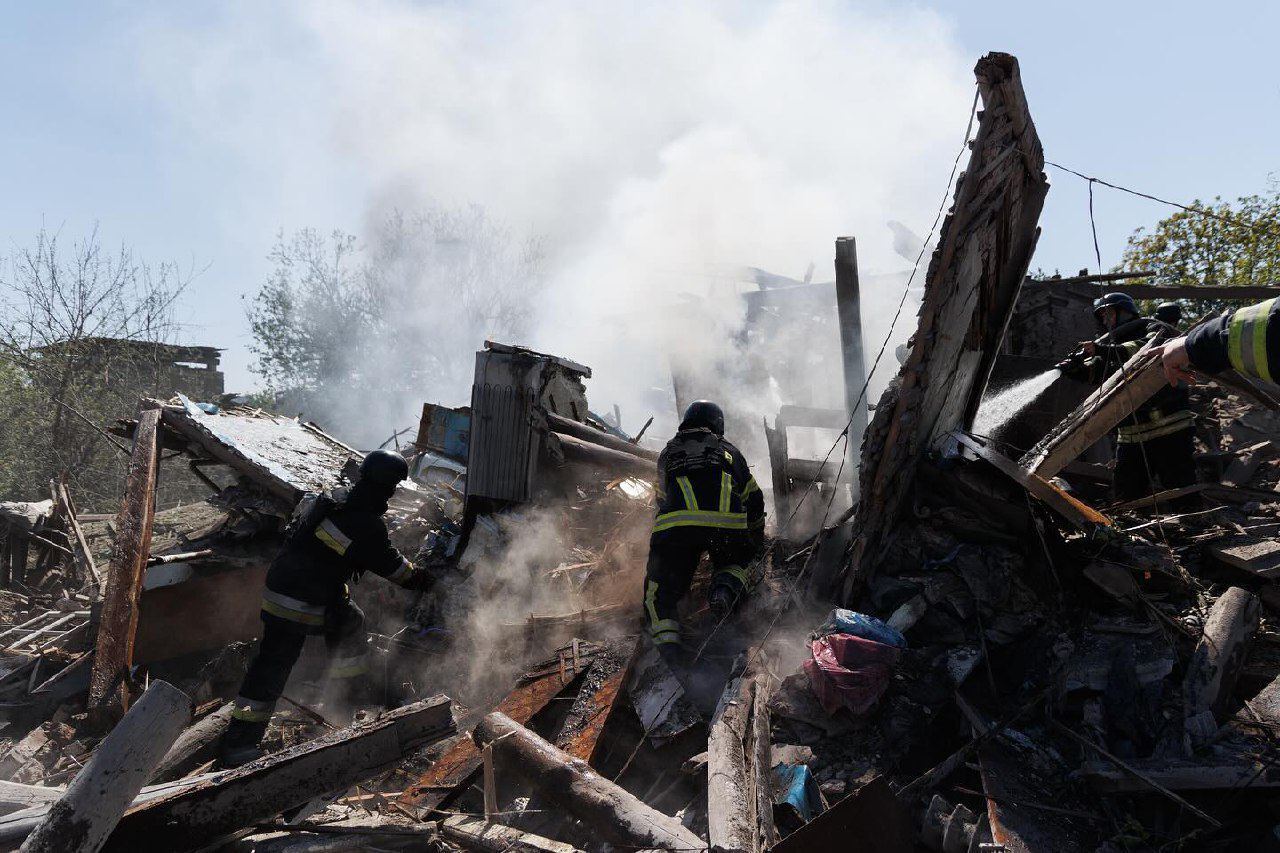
[974,277]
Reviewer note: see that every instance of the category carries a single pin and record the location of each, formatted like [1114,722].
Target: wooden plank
[1260,557]
[1074,510]
[615,814]
[475,834]
[195,817]
[1102,411]
[81,820]
[1209,775]
[984,249]
[457,766]
[84,555]
[108,688]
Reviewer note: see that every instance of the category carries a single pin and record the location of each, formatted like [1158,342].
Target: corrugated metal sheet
[502,443]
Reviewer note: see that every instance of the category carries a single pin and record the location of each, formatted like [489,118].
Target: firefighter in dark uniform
[1169,313]
[333,539]
[708,503]
[1247,340]
[1157,440]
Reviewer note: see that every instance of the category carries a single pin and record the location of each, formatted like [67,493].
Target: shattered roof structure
[284,455]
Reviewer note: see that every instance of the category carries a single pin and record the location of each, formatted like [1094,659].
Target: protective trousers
[1170,461]
[673,559]
[278,653]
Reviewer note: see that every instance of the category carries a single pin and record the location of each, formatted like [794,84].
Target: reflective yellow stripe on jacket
[700,518]
[1156,427]
[692,516]
[1247,340]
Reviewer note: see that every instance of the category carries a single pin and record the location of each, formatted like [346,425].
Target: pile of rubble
[981,654]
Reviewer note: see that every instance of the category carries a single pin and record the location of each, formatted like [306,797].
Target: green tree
[78,329]
[1238,245]
[358,334]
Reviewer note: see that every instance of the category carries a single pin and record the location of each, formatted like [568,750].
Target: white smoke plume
[652,146]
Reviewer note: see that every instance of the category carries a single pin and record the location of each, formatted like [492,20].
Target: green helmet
[1118,301]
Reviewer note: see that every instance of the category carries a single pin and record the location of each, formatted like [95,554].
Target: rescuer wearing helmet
[1158,440]
[708,503]
[1169,313]
[332,539]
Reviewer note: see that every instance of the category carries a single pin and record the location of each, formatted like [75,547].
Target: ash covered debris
[979,649]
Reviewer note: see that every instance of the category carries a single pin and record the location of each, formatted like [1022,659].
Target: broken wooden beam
[575,450]
[1102,411]
[591,435]
[1216,662]
[613,812]
[983,251]
[853,359]
[453,770]
[108,684]
[486,837]
[195,817]
[81,820]
[739,801]
[194,746]
[1072,509]
[84,556]
[1144,781]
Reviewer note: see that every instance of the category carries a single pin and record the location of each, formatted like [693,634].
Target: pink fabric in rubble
[849,672]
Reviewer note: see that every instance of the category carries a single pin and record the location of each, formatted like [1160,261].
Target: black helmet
[1118,301]
[384,467]
[1169,312]
[704,414]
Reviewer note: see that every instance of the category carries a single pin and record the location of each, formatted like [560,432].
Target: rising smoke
[652,147]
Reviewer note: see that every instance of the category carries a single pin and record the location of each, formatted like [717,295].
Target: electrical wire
[1200,211]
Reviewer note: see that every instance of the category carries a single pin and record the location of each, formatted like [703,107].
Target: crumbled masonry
[976,651]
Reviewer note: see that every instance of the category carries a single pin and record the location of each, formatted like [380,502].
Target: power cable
[1200,211]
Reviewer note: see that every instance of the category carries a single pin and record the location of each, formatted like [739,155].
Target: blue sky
[1181,100]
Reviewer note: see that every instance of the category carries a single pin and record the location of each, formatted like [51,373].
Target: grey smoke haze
[651,145]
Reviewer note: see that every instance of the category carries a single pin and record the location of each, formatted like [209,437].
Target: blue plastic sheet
[799,789]
[843,621]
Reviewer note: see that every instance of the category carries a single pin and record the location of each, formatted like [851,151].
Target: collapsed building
[975,651]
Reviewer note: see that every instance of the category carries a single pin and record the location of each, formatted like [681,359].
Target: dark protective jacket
[1247,339]
[1168,410]
[334,545]
[704,482]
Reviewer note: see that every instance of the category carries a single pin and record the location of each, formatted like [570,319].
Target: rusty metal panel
[591,711]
